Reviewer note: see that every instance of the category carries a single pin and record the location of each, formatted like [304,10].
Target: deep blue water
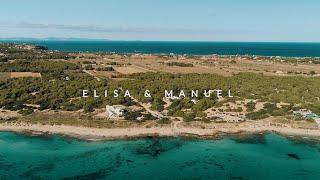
[259,157]
[192,48]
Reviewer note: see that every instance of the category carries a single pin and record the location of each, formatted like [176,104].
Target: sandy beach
[88,133]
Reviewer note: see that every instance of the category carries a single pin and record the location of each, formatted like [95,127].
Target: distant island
[41,92]
[29,39]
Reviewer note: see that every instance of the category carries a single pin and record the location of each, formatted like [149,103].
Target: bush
[270,107]
[105,69]
[189,117]
[203,104]
[233,62]
[316,108]
[88,108]
[278,112]
[206,120]
[112,63]
[42,66]
[312,73]
[87,62]
[250,106]
[3,59]
[88,67]
[132,115]
[164,121]
[178,113]
[157,105]
[149,117]
[261,114]
[180,64]
[201,114]
[26,112]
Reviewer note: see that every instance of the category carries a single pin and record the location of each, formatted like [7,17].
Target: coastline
[96,134]
[55,45]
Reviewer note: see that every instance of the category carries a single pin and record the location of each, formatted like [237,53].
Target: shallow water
[258,157]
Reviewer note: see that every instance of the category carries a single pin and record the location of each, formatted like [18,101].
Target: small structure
[115,111]
[307,114]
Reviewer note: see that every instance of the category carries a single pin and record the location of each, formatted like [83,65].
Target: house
[307,114]
[115,111]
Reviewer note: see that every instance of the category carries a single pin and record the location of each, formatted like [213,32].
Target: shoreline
[98,134]
[42,42]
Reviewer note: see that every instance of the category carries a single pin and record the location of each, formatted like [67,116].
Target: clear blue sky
[196,20]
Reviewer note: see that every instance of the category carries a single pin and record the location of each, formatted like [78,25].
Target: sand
[24,74]
[166,131]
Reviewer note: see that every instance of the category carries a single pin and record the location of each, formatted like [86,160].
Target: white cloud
[115,29]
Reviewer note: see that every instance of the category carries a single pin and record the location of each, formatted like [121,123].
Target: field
[24,74]
[225,66]
[131,69]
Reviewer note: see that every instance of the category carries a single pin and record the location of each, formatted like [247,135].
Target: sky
[163,20]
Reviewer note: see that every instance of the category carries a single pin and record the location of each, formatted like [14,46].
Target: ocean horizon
[284,49]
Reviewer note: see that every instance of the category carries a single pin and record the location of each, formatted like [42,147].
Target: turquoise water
[260,157]
[193,48]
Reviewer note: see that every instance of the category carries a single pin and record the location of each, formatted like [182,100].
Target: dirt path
[98,79]
[144,68]
[146,107]
[160,115]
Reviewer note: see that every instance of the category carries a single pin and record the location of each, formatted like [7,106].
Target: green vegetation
[53,91]
[109,68]
[180,64]
[14,52]
[164,121]
[312,73]
[189,117]
[269,109]
[88,62]
[4,76]
[112,63]
[26,111]
[233,62]
[3,59]
[157,105]
[46,67]
[132,115]
[250,106]
[88,67]
[292,90]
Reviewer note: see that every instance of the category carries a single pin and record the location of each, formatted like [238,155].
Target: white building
[115,111]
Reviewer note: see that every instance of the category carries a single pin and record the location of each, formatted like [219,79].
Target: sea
[284,49]
[267,156]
